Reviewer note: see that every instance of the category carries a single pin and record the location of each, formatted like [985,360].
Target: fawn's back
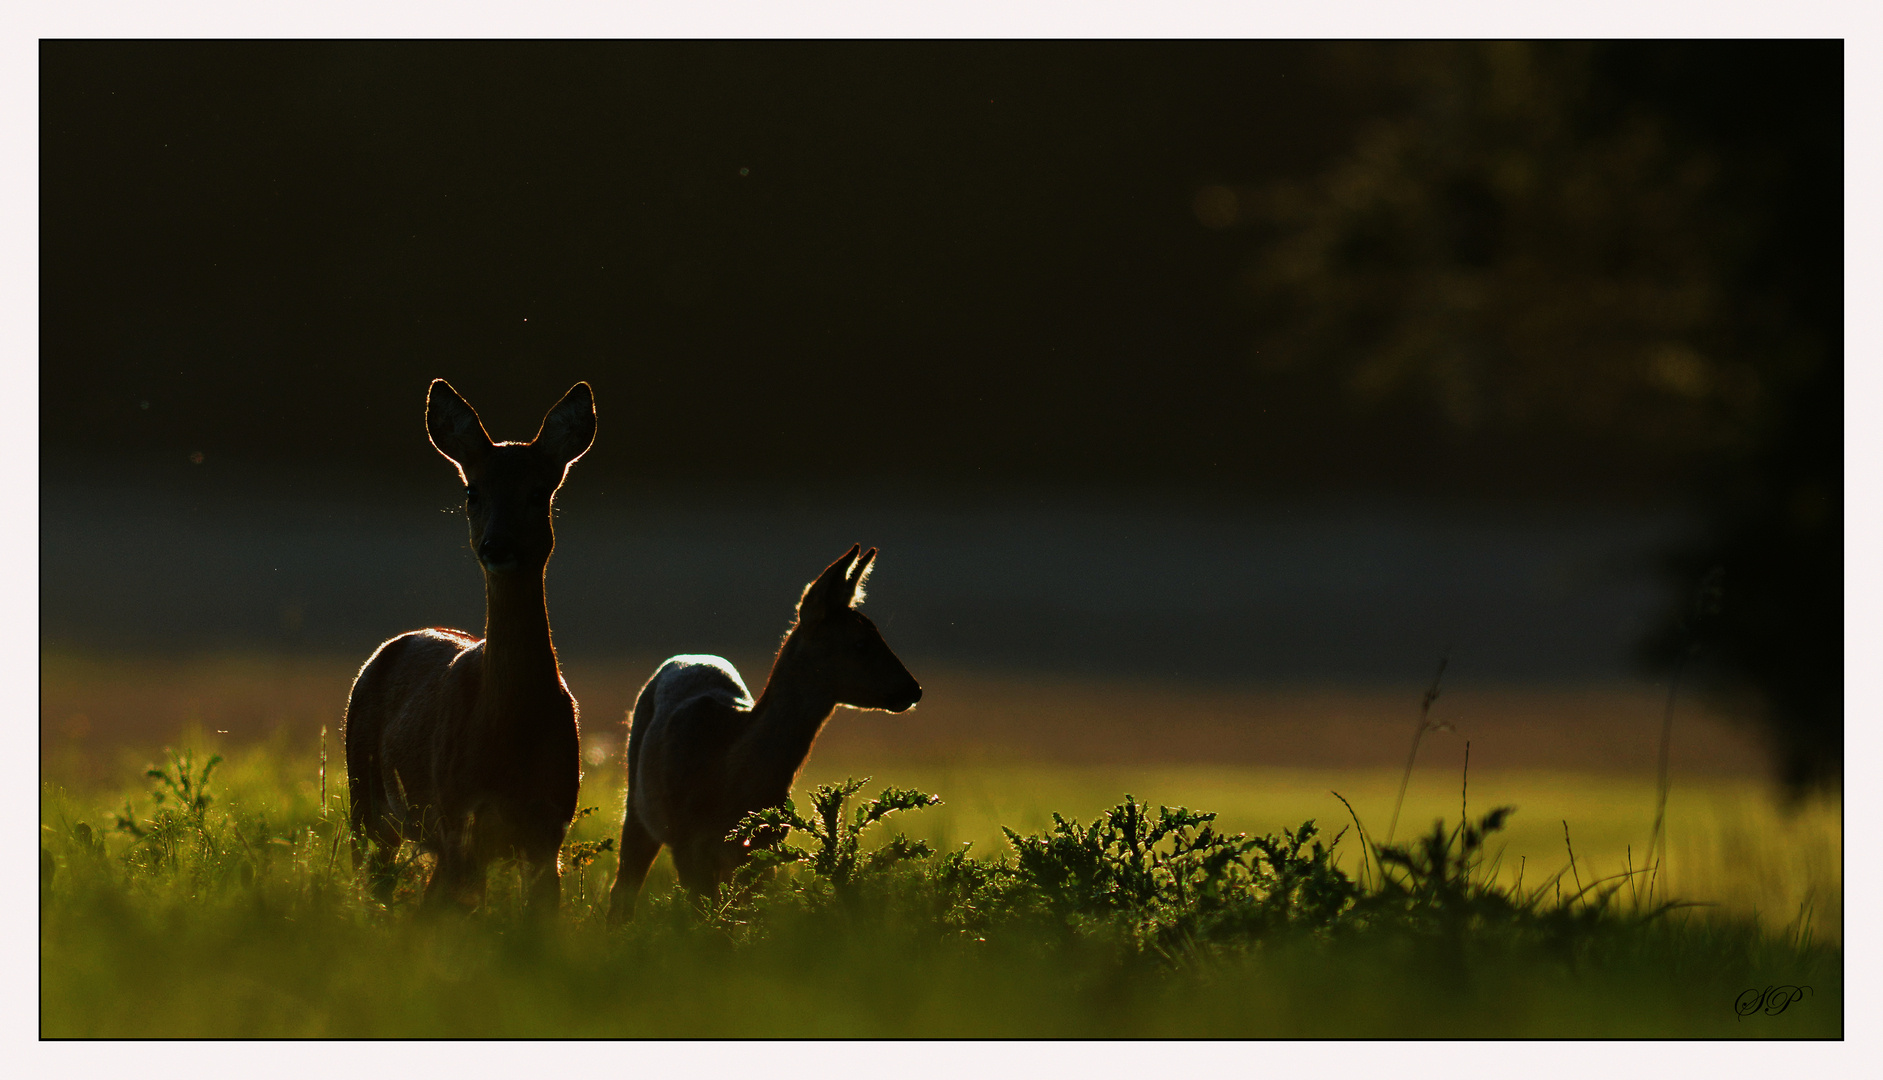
[702,752]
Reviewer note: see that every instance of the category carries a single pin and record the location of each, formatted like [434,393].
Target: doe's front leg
[450,882]
[542,874]
[458,877]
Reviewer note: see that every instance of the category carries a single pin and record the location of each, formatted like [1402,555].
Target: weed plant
[225,903]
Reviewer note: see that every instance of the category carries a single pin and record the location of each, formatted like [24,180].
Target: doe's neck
[518,651]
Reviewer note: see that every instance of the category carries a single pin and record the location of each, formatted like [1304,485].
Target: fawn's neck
[785,721]
[519,658]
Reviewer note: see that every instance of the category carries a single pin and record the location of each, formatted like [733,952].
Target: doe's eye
[470,493]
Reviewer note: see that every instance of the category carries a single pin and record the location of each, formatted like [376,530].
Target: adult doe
[702,753]
[468,747]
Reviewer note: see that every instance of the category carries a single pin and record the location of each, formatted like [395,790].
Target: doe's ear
[569,428]
[454,427]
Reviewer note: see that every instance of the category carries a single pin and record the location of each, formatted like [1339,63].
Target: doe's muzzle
[497,555]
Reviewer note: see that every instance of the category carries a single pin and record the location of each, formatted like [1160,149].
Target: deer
[469,747]
[702,753]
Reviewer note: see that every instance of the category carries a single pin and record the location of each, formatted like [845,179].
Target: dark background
[1527,341]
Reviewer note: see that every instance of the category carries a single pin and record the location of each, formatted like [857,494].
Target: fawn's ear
[832,589]
[859,575]
[454,427]
[569,429]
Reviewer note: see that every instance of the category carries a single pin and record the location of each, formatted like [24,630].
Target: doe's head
[844,647]
[509,486]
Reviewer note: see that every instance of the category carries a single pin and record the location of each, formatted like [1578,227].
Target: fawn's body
[469,747]
[702,753]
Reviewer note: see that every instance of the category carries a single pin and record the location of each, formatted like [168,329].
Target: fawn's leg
[698,864]
[637,851]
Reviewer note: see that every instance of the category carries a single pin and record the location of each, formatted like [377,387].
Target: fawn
[468,747]
[702,753]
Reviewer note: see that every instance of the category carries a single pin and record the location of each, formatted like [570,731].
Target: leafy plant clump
[1162,884]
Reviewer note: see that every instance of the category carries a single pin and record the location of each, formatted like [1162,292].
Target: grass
[240,915]
[1732,843]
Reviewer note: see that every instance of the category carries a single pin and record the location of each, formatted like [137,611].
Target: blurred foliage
[1635,245]
[1513,247]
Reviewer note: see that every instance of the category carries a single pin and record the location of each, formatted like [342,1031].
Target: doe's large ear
[453,426]
[833,588]
[569,428]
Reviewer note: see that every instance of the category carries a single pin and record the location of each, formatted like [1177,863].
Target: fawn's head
[843,646]
[508,486]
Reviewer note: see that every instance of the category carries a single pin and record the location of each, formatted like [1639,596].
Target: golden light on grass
[267,872]
[1010,750]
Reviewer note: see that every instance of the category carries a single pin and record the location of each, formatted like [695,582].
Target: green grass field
[1731,842]
[249,920]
